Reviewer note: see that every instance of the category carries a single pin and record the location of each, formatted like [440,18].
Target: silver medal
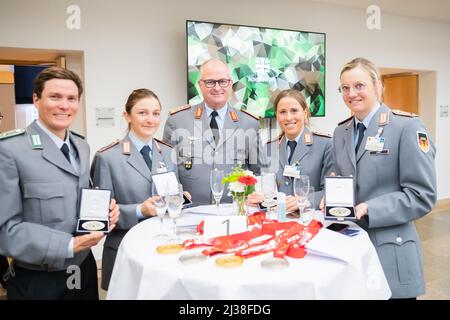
[93,225]
[274,263]
[192,258]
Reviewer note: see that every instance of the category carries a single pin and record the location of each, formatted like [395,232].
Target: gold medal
[188,164]
[169,248]
[229,261]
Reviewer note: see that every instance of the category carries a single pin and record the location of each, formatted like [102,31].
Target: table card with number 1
[223,226]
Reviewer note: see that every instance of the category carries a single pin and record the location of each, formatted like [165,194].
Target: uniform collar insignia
[36,142]
[198,112]
[384,119]
[157,145]
[307,138]
[234,116]
[126,147]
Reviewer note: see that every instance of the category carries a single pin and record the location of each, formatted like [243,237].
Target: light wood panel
[402,92]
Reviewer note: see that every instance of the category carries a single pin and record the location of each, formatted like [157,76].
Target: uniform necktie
[145,151]
[65,151]
[213,125]
[361,128]
[292,144]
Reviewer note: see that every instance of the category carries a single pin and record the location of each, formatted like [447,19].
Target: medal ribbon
[283,238]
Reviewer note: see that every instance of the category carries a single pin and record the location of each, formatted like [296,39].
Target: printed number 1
[228,225]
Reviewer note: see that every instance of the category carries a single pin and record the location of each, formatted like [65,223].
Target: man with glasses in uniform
[212,134]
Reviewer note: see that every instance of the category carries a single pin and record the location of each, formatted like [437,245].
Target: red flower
[247,180]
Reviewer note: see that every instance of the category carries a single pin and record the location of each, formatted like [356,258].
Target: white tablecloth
[141,273]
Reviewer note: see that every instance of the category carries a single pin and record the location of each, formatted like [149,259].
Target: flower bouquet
[241,183]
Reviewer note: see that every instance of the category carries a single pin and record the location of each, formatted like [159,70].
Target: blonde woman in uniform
[394,174]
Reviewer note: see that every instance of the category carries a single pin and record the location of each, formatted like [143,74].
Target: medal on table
[274,263]
[192,258]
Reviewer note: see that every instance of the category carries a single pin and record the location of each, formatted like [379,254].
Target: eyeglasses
[358,87]
[209,83]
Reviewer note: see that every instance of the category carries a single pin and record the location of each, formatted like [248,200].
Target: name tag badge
[291,171]
[375,144]
[162,168]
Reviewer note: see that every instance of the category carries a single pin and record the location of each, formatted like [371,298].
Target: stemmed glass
[161,208]
[174,206]
[268,188]
[301,191]
[215,182]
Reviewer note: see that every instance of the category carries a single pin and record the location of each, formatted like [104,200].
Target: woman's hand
[361,210]
[291,204]
[255,198]
[148,207]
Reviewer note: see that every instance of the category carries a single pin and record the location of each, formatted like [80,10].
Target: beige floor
[434,230]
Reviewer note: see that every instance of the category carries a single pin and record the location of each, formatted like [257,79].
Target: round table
[142,273]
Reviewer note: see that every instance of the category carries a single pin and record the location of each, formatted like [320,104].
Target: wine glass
[309,209]
[174,206]
[268,189]
[215,182]
[301,191]
[161,208]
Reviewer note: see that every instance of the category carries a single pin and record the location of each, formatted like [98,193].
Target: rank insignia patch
[422,141]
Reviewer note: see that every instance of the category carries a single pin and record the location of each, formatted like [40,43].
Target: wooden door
[402,92]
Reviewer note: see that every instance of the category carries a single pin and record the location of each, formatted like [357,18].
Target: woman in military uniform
[306,151]
[126,167]
[391,158]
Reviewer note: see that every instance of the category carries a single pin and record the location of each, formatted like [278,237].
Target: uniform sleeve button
[399,239]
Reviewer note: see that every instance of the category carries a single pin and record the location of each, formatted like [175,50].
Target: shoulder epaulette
[343,121]
[322,134]
[404,113]
[12,133]
[164,143]
[109,146]
[77,134]
[178,109]
[276,139]
[250,114]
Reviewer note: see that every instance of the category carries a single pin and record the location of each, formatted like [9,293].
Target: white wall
[142,44]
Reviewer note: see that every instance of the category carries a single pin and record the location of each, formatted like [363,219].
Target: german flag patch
[422,141]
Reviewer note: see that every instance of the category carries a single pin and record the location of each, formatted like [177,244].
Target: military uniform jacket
[39,192]
[312,155]
[398,185]
[121,168]
[197,153]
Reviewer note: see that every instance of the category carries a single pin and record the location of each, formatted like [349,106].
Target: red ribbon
[265,235]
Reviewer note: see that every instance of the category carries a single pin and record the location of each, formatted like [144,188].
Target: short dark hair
[55,73]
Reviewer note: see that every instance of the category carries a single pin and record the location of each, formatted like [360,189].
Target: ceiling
[437,10]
